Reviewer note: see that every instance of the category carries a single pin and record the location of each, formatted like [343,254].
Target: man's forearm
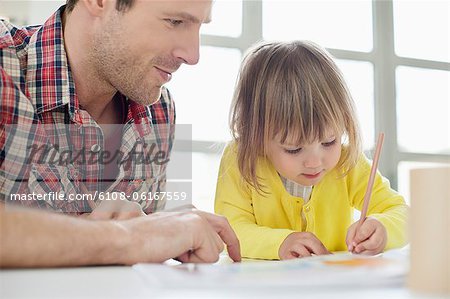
[39,239]
[31,238]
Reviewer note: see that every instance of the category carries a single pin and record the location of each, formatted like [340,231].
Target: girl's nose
[313,160]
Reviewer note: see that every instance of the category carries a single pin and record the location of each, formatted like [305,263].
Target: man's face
[137,51]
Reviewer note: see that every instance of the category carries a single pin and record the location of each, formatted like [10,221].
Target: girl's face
[305,164]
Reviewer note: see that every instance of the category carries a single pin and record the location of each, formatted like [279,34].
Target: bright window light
[222,22]
[422,29]
[332,24]
[359,78]
[203,93]
[423,110]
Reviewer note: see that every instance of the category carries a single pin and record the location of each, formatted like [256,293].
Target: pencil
[373,171]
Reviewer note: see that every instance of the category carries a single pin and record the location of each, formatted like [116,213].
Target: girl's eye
[331,143]
[294,151]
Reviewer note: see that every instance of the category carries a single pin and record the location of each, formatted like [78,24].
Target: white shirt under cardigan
[297,190]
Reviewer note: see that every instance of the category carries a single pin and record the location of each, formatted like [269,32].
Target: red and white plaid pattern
[39,107]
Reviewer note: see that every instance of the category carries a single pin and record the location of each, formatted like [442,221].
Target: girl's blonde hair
[290,90]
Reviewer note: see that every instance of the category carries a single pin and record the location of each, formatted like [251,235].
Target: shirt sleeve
[164,116]
[386,205]
[234,201]
[19,131]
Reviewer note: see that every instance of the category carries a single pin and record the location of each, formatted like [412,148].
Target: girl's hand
[370,238]
[301,244]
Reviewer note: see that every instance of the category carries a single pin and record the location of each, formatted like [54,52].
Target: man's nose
[188,50]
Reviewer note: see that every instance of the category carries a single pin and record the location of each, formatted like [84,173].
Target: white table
[124,282]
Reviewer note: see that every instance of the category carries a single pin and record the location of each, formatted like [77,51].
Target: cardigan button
[307,209]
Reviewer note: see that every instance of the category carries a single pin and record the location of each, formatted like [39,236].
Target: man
[90,81]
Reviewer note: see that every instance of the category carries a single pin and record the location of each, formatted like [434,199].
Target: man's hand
[186,236]
[301,244]
[154,238]
[370,238]
[222,228]
[214,229]
[116,210]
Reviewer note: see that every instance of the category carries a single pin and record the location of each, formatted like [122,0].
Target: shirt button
[95,148]
[307,209]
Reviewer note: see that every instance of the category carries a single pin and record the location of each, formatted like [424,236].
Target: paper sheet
[339,269]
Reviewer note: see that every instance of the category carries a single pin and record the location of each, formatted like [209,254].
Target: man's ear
[98,7]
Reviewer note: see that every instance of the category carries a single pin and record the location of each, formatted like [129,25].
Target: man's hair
[121,5]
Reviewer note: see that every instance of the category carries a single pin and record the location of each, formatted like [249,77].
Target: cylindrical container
[429,230]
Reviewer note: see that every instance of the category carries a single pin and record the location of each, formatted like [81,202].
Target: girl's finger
[350,236]
[300,251]
[363,232]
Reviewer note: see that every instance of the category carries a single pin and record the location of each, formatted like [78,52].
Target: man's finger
[101,215]
[228,236]
[125,215]
[184,258]
[203,254]
[226,233]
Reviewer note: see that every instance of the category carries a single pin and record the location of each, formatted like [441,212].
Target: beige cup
[430,230]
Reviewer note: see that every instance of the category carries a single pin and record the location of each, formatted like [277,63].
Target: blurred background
[394,55]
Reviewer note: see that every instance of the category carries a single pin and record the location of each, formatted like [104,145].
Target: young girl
[295,171]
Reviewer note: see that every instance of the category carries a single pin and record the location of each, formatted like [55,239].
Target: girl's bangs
[298,119]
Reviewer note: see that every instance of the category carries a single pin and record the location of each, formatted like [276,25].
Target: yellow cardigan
[262,222]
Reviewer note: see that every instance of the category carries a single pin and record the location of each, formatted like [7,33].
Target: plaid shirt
[40,110]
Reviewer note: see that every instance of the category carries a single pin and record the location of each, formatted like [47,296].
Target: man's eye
[174,22]
[294,151]
[326,144]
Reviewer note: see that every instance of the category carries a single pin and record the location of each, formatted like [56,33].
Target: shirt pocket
[56,182]
[146,192]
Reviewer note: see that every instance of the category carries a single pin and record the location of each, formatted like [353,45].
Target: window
[397,72]
[203,92]
[393,54]
[222,10]
[423,109]
[332,24]
[422,79]
[422,29]
[359,78]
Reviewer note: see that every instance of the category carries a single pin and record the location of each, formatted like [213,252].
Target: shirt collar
[296,189]
[49,80]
